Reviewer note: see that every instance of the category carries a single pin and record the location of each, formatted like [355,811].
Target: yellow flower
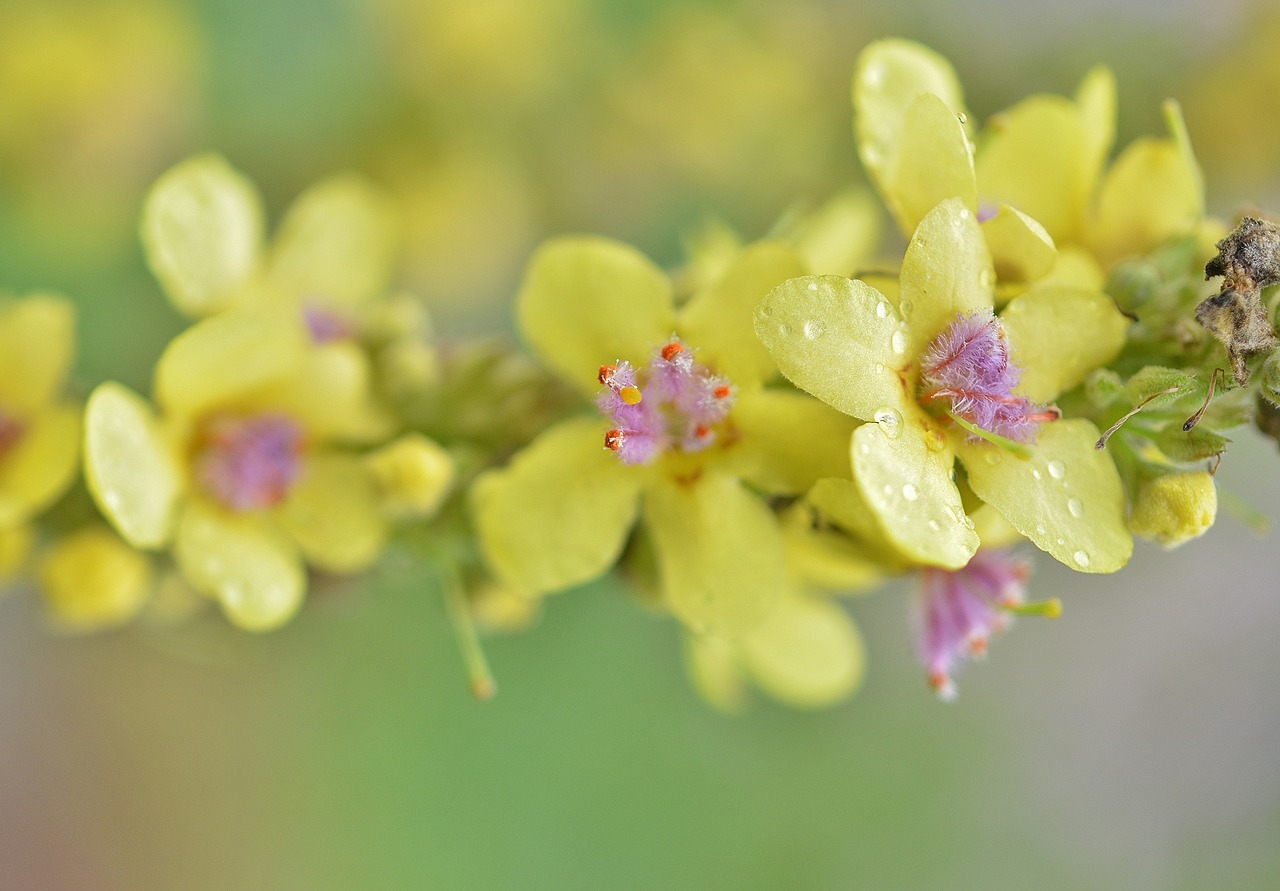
[564,509]
[1037,175]
[92,580]
[938,346]
[39,428]
[239,473]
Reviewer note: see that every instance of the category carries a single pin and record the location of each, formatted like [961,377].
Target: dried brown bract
[1248,261]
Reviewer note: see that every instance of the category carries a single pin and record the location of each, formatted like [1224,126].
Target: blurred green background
[1129,745]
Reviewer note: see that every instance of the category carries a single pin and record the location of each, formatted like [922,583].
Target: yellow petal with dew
[807,653]
[243,561]
[837,339]
[202,226]
[333,514]
[92,580]
[220,359]
[337,243]
[1096,105]
[1032,157]
[837,237]
[946,272]
[413,475]
[717,321]
[587,302]
[41,465]
[788,440]
[37,345]
[329,390]
[890,74]
[1057,335]
[933,162]
[712,665]
[1021,250]
[1148,196]
[130,465]
[904,473]
[719,551]
[560,513]
[1067,498]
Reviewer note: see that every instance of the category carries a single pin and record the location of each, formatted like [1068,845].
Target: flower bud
[92,579]
[413,475]
[1175,508]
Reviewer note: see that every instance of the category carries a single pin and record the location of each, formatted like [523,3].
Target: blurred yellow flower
[93,580]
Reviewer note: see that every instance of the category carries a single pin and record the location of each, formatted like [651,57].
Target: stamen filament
[1111,431]
[1195,419]
[1019,449]
[1050,609]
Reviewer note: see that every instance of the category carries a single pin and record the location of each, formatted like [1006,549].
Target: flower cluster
[744,440]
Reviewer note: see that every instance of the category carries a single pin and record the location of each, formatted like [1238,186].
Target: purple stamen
[249,463]
[326,325]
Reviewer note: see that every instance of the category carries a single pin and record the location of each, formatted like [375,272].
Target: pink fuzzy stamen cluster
[968,365]
[675,402]
[248,463]
[960,610]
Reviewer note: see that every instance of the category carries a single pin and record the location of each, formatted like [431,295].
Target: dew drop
[766,311]
[964,213]
[888,489]
[1040,530]
[813,329]
[1035,474]
[813,286]
[784,329]
[910,492]
[898,342]
[882,309]
[1057,469]
[987,279]
[935,526]
[890,421]
[1075,507]
[991,456]
[962,117]
[1061,542]
[879,368]
[966,522]
[905,306]
[1081,558]
[864,449]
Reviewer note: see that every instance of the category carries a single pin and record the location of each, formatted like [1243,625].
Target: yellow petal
[836,338]
[1067,498]
[332,513]
[719,551]
[218,360]
[841,502]
[130,466]
[712,665]
[244,561]
[788,440]
[202,233]
[1149,195]
[587,302]
[1033,158]
[806,653]
[904,473]
[1075,267]
[1057,335]
[890,74]
[1096,105]
[946,272]
[560,513]
[37,344]
[839,236]
[1021,250]
[329,390]
[337,243]
[933,162]
[830,560]
[41,465]
[91,579]
[717,321]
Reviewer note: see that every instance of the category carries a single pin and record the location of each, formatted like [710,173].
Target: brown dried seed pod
[1248,260]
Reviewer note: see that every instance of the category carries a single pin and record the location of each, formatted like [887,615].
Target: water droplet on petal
[910,492]
[784,329]
[890,421]
[935,526]
[991,456]
[1035,473]
[766,311]
[1057,469]
[864,449]
[813,286]
[1040,530]
[905,306]
[1061,542]
[813,329]
[898,342]
[882,309]
[1075,507]
[936,440]
[888,489]
[966,522]
[1081,558]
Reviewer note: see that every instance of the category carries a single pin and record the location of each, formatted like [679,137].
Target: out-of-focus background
[1130,744]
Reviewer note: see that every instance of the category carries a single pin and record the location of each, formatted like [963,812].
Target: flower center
[967,368]
[251,462]
[674,402]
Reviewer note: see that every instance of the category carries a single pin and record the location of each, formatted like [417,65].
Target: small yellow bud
[15,547]
[500,608]
[413,475]
[92,579]
[1175,508]
[408,366]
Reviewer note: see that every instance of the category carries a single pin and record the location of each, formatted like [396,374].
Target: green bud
[1133,282]
[1270,385]
[1175,508]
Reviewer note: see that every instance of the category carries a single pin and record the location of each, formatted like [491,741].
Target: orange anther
[613,440]
[671,350]
[722,392]
[606,374]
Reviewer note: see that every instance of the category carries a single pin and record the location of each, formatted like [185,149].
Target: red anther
[613,440]
[606,374]
[722,392]
[978,646]
[671,350]
[702,431]
[939,681]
